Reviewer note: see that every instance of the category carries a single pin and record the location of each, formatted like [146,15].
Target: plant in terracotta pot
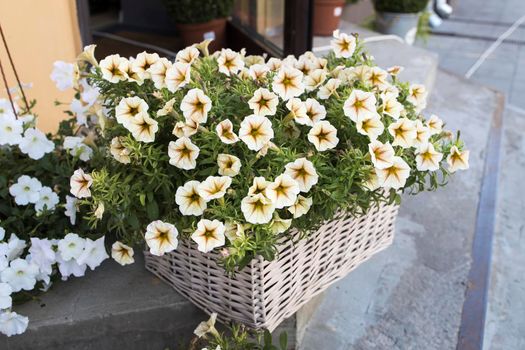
[327,15]
[199,20]
[399,17]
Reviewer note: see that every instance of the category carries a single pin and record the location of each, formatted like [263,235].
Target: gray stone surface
[505,323]
[113,307]
[410,296]
[420,64]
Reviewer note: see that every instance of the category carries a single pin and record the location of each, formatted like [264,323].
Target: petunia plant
[234,151]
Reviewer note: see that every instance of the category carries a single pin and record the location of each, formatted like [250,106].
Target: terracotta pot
[215,29]
[327,15]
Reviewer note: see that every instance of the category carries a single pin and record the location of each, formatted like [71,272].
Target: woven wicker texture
[265,293]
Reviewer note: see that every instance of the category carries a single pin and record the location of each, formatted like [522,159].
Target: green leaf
[283,340]
[152,210]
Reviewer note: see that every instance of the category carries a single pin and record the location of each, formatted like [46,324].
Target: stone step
[420,65]
[410,296]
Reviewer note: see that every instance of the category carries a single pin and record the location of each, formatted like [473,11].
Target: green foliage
[137,193]
[198,11]
[400,6]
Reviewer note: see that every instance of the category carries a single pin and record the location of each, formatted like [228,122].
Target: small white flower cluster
[17,130]
[24,264]
[28,190]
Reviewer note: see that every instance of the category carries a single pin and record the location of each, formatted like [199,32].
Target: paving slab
[410,296]
[505,323]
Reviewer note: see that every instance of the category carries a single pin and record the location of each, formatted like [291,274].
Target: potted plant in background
[399,17]
[199,20]
[327,15]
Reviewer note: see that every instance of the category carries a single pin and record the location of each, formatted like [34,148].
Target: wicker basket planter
[265,293]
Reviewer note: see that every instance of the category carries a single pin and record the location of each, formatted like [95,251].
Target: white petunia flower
[187,55]
[328,89]
[112,68]
[300,207]
[25,190]
[158,72]
[283,191]
[71,209]
[11,129]
[143,128]
[80,184]
[394,176]
[343,44]
[225,131]
[207,327]
[370,125]
[185,129]
[214,187]
[381,154]
[230,62]
[161,237]
[177,76]
[5,296]
[392,107]
[314,79]
[70,268]
[94,253]
[71,246]
[256,132]
[258,71]
[43,254]
[257,209]
[167,108]
[20,275]
[404,132]
[118,151]
[88,55]
[209,235]
[297,110]
[15,247]
[417,95]
[359,105]
[195,106]
[434,124]
[233,231]
[315,112]
[361,73]
[378,78]
[228,165]
[64,75]
[143,62]
[48,200]
[323,136]
[89,94]
[12,323]
[259,186]
[264,102]
[395,70]
[183,153]
[457,160]
[288,83]
[189,200]
[279,225]
[80,110]
[274,64]
[122,253]
[128,108]
[126,66]
[427,158]
[77,147]
[35,144]
[303,172]
[6,107]
[372,183]
[422,134]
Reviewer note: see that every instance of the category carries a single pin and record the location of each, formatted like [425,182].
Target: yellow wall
[38,33]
